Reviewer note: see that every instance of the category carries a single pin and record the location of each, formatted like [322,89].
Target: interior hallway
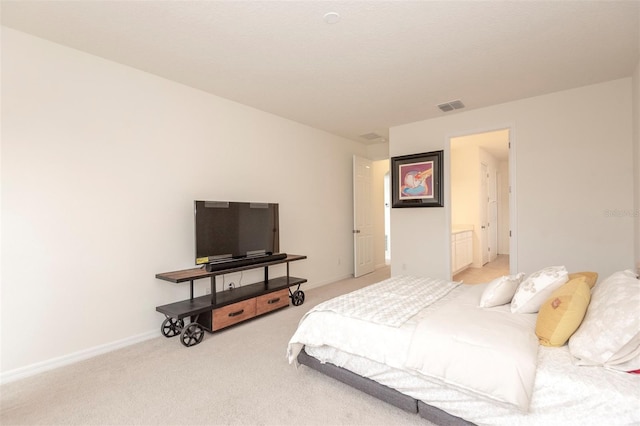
[491,270]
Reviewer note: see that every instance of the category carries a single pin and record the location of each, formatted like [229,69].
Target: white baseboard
[325,282]
[40,367]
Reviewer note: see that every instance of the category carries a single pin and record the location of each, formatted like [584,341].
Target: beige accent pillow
[561,314]
[592,277]
[609,335]
[500,291]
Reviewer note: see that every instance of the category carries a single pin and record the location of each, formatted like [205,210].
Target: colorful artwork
[416,180]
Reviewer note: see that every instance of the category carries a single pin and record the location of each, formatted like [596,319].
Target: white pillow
[500,291]
[536,288]
[609,335]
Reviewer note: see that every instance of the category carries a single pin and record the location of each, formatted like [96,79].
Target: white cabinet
[454,261]
[465,252]
[461,250]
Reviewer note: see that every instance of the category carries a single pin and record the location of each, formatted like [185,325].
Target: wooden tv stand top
[198,273]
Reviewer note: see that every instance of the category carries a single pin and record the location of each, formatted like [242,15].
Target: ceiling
[384,63]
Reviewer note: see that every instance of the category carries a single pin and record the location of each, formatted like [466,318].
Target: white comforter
[374,311]
[489,352]
[473,352]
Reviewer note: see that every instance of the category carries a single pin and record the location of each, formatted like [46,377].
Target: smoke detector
[331,17]
[451,105]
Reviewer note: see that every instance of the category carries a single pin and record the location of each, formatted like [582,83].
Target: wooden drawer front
[233,314]
[271,301]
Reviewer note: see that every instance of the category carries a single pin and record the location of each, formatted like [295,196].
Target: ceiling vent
[451,105]
[371,136]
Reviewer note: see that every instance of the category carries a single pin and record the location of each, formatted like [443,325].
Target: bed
[480,354]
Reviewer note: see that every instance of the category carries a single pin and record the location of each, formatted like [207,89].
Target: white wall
[573,173]
[100,167]
[378,151]
[465,185]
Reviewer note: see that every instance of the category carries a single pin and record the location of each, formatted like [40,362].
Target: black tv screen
[231,230]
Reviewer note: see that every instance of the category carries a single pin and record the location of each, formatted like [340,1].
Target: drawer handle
[235,314]
[272,301]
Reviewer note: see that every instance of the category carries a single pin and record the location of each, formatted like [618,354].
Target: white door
[484,208]
[492,214]
[362,217]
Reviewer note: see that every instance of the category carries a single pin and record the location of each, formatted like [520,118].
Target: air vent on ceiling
[451,105]
[371,136]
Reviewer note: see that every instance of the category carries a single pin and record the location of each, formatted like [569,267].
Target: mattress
[563,393]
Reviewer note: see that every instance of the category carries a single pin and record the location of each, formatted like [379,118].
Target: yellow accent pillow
[561,314]
[591,277]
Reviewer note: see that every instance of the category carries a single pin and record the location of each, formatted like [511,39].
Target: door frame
[363,238]
[513,214]
[484,214]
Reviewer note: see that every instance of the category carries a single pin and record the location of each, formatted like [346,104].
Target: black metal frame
[200,309]
[384,393]
[437,177]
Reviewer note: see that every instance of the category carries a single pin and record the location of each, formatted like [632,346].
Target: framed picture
[416,180]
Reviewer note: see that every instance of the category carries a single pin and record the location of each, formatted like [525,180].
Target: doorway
[372,215]
[479,165]
[387,219]
[363,220]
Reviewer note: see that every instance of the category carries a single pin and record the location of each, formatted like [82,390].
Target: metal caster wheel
[192,334]
[297,297]
[171,327]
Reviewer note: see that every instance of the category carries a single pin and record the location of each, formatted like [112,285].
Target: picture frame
[416,180]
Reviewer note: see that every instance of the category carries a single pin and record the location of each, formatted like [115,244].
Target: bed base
[382,392]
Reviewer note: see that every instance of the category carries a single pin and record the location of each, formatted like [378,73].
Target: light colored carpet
[235,377]
[494,269]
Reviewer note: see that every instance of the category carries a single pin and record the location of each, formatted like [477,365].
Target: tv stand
[219,310]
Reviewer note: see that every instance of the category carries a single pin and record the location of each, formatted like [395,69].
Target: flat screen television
[227,231]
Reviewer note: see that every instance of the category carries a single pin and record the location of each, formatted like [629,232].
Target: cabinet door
[467,249]
[454,260]
[234,313]
[272,301]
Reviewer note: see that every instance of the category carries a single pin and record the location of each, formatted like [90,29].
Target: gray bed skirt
[382,392]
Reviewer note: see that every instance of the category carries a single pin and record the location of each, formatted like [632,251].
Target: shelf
[205,303]
[252,290]
[199,273]
[187,307]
